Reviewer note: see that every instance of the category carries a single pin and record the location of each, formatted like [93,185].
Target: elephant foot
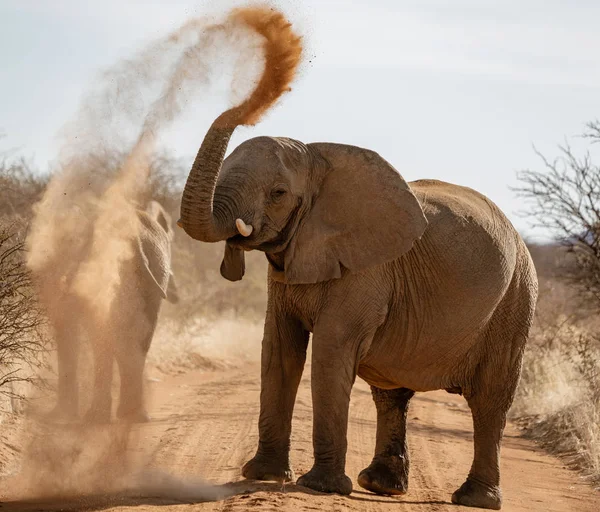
[326,480]
[260,468]
[385,475]
[133,415]
[476,494]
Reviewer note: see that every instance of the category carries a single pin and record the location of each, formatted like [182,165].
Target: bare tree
[21,321]
[564,199]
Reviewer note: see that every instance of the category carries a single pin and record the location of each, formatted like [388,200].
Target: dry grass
[205,344]
[558,400]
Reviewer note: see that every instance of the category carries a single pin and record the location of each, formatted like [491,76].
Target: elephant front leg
[333,374]
[283,356]
[388,472]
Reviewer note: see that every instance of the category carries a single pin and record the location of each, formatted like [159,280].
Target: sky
[460,91]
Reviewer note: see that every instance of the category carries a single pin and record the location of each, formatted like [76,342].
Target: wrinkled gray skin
[125,338]
[412,288]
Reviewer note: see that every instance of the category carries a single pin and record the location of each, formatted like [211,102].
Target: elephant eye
[278,193]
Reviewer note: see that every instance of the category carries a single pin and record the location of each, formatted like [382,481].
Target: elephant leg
[388,472]
[493,390]
[482,487]
[131,360]
[333,374]
[100,409]
[67,348]
[282,362]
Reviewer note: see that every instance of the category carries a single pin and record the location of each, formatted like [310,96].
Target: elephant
[145,280]
[412,287]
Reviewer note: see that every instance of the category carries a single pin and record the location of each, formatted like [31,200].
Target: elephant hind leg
[388,472]
[491,396]
[482,487]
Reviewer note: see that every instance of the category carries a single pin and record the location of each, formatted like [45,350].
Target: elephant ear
[154,248]
[158,213]
[233,265]
[364,214]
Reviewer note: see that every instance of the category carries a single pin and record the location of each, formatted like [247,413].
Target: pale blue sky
[457,91]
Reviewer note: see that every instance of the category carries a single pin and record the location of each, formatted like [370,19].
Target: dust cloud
[83,226]
[74,462]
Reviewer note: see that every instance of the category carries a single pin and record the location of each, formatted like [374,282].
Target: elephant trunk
[202,217]
[199,217]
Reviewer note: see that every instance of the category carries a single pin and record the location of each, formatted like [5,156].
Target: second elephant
[145,280]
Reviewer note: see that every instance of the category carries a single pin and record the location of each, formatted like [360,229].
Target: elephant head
[313,208]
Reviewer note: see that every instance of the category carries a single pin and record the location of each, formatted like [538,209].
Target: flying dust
[84,224]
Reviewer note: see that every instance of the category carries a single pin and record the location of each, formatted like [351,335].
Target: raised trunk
[199,218]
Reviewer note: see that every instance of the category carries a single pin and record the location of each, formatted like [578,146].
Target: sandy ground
[205,425]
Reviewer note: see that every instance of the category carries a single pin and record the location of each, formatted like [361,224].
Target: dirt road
[204,425]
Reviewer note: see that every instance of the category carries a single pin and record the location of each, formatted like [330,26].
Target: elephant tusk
[179,223]
[243,228]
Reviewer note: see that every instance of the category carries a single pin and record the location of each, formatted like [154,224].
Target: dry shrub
[563,198]
[22,338]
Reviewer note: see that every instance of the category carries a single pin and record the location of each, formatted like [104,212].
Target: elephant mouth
[275,244]
[241,242]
